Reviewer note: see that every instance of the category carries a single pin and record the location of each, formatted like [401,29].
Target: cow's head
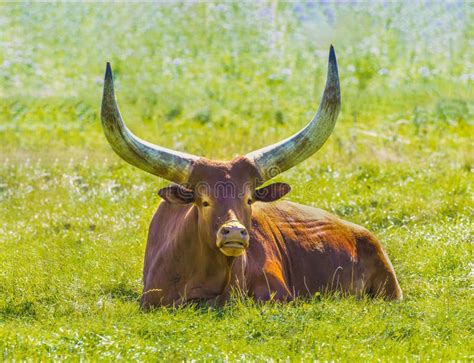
[223,192]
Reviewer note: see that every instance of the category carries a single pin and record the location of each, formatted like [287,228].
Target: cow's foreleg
[271,286]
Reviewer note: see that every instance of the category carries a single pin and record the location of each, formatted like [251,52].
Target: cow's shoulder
[290,213]
[311,228]
[284,209]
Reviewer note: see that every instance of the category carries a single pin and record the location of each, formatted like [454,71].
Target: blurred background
[254,69]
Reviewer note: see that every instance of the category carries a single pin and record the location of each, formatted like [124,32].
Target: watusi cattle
[218,230]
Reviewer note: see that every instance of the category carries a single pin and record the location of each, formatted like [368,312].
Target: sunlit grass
[222,80]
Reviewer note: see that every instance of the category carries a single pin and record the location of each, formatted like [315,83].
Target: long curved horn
[168,164]
[275,159]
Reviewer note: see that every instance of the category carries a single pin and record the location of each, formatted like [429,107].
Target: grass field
[221,80]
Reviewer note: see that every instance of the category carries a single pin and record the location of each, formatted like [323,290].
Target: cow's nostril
[225,231]
[243,232]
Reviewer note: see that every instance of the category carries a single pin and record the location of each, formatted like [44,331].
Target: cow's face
[223,193]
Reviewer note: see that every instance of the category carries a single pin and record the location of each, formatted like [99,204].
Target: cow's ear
[177,194]
[272,192]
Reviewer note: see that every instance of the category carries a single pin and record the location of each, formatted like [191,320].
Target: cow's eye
[205,204]
[249,201]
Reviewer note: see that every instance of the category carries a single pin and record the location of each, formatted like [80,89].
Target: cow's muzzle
[232,239]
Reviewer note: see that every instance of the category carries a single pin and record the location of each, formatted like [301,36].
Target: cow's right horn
[166,163]
[276,158]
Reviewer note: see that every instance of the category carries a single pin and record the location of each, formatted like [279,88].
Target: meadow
[219,80]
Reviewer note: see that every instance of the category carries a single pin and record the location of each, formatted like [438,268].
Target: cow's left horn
[169,164]
[277,158]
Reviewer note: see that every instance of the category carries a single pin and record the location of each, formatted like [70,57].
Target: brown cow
[217,230]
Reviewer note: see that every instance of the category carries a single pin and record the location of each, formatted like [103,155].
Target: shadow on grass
[14,309]
[123,292]
[239,302]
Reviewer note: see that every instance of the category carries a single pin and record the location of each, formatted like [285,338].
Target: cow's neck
[203,270]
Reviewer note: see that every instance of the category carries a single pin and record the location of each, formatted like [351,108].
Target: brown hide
[294,250]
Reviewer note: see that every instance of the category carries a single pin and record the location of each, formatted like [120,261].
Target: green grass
[222,80]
